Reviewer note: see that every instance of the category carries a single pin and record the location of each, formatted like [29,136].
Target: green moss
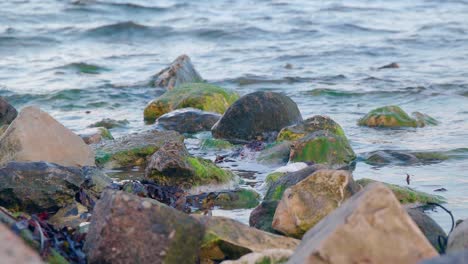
[310,125]
[240,199]
[407,195]
[431,156]
[322,148]
[211,143]
[276,194]
[56,258]
[125,158]
[206,172]
[287,134]
[272,177]
[105,133]
[388,116]
[202,96]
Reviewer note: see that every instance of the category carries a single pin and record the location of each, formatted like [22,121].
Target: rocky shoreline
[56,196]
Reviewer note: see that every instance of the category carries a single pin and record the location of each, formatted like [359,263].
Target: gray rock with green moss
[179,72]
[262,216]
[134,149]
[173,165]
[241,198]
[128,229]
[394,116]
[258,115]
[406,195]
[310,125]
[203,96]
[213,143]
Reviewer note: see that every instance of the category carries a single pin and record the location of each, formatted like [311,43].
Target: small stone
[179,72]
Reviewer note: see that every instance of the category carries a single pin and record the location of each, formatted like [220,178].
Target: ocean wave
[82,67]
[255,79]
[127,29]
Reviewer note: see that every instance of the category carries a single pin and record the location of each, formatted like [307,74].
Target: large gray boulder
[258,115]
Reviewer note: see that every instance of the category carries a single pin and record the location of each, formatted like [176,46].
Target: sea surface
[70,57]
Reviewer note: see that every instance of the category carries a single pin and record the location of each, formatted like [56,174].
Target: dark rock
[259,115]
[458,238]
[36,187]
[7,112]
[128,229]
[179,72]
[262,216]
[188,120]
[392,65]
[110,123]
[433,232]
[458,257]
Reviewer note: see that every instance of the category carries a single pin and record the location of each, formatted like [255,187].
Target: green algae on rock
[323,147]
[213,143]
[394,116]
[310,125]
[406,195]
[203,96]
[132,150]
[237,199]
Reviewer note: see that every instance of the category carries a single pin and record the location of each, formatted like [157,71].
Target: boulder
[262,216]
[36,187]
[270,256]
[35,136]
[394,116]
[228,239]
[458,257]
[406,195]
[7,112]
[370,227]
[241,198]
[110,123]
[72,215]
[188,120]
[309,201]
[405,158]
[310,125]
[179,72]
[203,96]
[128,229]
[433,232]
[95,135]
[258,115]
[458,238]
[134,149]
[14,250]
[173,165]
[323,147]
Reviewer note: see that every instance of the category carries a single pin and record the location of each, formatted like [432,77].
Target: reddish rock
[14,250]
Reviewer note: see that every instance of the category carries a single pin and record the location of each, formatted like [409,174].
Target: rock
[212,143]
[392,65]
[262,216]
[95,135]
[406,195]
[237,199]
[188,120]
[308,126]
[133,150]
[276,189]
[458,238]
[179,72]
[323,147]
[270,256]
[228,239]
[14,250]
[35,136]
[128,229]
[278,153]
[433,232]
[309,201]
[70,216]
[404,158]
[7,112]
[394,116]
[173,165]
[110,123]
[36,187]
[203,96]
[370,227]
[258,115]
[458,257]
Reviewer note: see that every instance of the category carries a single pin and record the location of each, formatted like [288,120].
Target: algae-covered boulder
[323,147]
[128,229]
[95,135]
[309,201]
[173,165]
[310,125]
[37,187]
[213,143]
[188,120]
[203,96]
[394,116]
[179,72]
[36,136]
[258,115]
[133,150]
[228,239]
[406,195]
[404,158]
[270,256]
[7,112]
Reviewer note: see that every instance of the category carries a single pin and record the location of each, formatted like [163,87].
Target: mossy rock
[273,177]
[277,153]
[323,147]
[218,144]
[238,199]
[388,116]
[105,133]
[406,195]
[132,150]
[310,125]
[203,96]
[403,158]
